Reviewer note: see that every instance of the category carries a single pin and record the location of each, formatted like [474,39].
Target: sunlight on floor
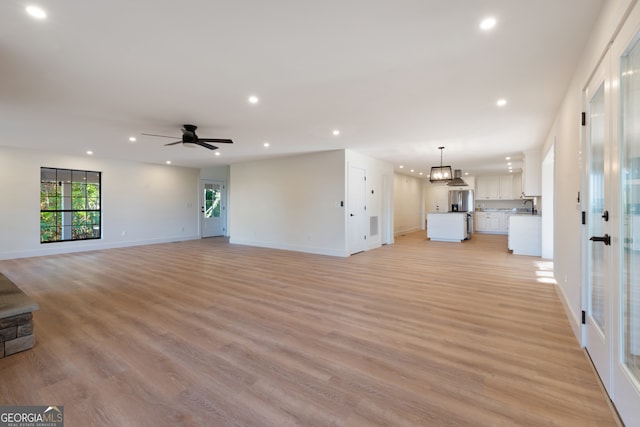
[545,272]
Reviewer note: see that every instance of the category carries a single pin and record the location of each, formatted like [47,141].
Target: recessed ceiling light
[466,173]
[253,99]
[168,162]
[507,158]
[132,139]
[36,12]
[411,170]
[217,153]
[488,23]
[401,167]
[336,132]
[89,153]
[509,164]
[266,144]
[501,102]
[420,173]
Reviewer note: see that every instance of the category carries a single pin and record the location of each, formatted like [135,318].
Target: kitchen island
[447,226]
[525,235]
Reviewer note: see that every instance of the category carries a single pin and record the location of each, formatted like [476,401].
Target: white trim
[59,248]
[287,247]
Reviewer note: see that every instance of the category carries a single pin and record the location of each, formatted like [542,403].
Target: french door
[598,248]
[213,216]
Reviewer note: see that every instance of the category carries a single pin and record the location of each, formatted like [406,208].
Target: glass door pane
[597,256]
[630,176]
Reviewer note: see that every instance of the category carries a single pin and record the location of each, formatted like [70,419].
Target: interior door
[212,208]
[598,247]
[357,209]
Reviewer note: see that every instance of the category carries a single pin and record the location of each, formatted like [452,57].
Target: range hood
[457,179]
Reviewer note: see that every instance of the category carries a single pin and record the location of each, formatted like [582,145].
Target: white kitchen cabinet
[490,222]
[479,222]
[525,235]
[494,187]
[506,187]
[487,188]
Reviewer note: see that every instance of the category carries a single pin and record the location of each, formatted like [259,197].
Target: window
[69,205]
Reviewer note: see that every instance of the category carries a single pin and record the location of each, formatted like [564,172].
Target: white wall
[566,132]
[149,203]
[548,197]
[299,202]
[290,203]
[407,204]
[220,173]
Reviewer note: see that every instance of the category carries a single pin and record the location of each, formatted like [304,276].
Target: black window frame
[74,216]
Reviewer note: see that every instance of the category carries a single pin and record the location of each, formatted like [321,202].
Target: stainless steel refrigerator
[461,201]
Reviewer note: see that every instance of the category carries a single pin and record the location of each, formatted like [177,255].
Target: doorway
[357,209]
[213,217]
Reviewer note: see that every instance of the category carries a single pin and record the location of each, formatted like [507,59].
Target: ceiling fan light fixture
[190,139]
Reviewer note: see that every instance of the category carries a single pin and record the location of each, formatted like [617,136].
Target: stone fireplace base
[16,319]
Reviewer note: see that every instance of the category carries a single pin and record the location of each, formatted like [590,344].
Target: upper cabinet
[532,173]
[494,187]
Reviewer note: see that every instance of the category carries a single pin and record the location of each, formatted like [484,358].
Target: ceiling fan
[189,137]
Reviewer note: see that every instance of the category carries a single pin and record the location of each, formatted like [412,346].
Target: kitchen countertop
[518,212]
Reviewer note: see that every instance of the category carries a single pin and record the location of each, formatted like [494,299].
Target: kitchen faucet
[524,203]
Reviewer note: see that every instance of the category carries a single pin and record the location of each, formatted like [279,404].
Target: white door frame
[356,209]
[597,340]
[223,208]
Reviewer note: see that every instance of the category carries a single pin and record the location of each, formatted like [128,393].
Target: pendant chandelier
[441,173]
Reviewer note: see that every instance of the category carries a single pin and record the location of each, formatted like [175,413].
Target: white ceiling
[397,77]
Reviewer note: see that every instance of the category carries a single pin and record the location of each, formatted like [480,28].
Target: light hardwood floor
[205,333]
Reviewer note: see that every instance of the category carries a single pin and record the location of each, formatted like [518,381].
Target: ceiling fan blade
[205,145]
[174,143]
[159,136]
[219,141]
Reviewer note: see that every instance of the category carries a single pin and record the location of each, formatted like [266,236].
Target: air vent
[373,226]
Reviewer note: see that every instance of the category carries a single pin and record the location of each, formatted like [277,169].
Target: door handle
[351,215]
[605,215]
[606,239]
